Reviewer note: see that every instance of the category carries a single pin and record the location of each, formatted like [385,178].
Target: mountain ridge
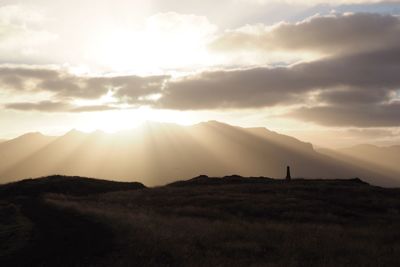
[160,153]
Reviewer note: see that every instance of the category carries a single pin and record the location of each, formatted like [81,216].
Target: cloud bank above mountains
[354,81]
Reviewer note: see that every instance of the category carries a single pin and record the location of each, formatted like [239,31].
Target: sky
[324,72]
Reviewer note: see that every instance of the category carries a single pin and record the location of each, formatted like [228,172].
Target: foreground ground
[202,222]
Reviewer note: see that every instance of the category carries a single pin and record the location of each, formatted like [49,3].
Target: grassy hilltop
[204,221]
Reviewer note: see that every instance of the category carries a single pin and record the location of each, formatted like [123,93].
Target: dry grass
[14,229]
[297,224]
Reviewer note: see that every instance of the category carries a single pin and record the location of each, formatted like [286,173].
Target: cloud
[93,108]
[61,90]
[47,106]
[23,38]
[128,88]
[364,78]
[132,88]
[328,35]
[64,85]
[356,85]
[258,87]
[316,2]
[51,106]
[378,115]
[354,96]
[359,77]
[364,81]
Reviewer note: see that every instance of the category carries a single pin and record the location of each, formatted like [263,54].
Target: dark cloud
[95,108]
[47,106]
[378,115]
[16,78]
[64,85]
[131,88]
[27,73]
[370,77]
[354,96]
[71,87]
[229,89]
[346,83]
[50,106]
[332,34]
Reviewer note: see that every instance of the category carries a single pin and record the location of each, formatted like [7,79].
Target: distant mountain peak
[74,132]
[214,123]
[32,134]
[28,136]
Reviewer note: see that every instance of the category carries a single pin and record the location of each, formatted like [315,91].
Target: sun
[164,41]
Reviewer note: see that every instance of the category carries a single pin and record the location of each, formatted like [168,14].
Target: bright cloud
[22,38]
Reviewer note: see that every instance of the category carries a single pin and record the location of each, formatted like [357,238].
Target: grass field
[261,223]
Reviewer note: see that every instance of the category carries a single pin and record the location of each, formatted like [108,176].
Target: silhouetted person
[288,177]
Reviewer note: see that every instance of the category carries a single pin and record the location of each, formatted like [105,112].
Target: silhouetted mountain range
[159,153]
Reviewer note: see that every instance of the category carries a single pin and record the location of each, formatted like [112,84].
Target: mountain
[381,160]
[387,157]
[17,150]
[159,153]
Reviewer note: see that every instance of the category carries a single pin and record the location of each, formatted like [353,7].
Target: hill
[64,185]
[33,233]
[204,180]
[157,153]
[204,221]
